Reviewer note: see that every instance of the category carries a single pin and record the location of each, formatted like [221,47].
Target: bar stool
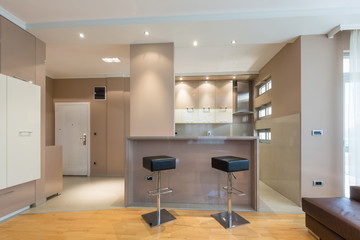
[158,164]
[230,164]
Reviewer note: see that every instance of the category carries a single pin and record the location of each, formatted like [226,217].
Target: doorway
[72,131]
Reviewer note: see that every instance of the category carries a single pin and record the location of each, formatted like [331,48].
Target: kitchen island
[196,185]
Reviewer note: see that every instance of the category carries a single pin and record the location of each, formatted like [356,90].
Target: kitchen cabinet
[203,102]
[207,94]
[186,94]
[2,131]
[22,142]
[17,51]
[224,94]
[224,101]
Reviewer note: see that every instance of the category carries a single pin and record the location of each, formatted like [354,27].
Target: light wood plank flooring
[128,224]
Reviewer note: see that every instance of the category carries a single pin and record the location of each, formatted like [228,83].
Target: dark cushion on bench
[341,215]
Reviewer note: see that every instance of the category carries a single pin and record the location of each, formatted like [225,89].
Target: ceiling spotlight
[81,35]
[146,33]
[195,43]
[111,60]
[233,42]
[181,78]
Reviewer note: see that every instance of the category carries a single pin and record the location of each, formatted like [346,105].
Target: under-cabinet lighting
[111,60]
[234,77]
[81,35]
[181,78]
[207,78]
[146,33]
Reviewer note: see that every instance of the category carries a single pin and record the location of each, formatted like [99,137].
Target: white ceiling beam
[342,27]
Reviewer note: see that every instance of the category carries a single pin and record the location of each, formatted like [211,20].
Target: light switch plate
[317,132]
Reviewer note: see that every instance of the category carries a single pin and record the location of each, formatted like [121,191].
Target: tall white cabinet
[2,131]
[20,124]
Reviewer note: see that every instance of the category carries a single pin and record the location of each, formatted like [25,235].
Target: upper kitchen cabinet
[187,94]
[224,94]
[17,51]
[207,94]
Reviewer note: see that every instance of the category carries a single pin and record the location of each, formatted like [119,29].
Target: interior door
[72,131]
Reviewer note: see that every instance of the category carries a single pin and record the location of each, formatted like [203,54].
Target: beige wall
[50,117]
[284,69]
[280,160]
[107,118]
[41,81]
[23,56]
[152,90]
[321,108]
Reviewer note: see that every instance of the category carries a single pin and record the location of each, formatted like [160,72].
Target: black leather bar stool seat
[158,164]
[230,164]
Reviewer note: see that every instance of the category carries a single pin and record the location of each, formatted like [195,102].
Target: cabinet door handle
[25,133]
[6,193]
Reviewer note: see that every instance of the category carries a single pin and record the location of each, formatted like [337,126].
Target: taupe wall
[50,116]
[321,108]
[280,160]
[152,90]
[284,69]
[109,119]
[22,55]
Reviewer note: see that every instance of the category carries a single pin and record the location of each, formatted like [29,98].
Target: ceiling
[261,28]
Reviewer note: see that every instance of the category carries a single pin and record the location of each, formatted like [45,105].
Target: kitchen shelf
[243,112]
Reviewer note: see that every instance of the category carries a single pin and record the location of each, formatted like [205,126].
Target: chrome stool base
[153,218]
[224,219]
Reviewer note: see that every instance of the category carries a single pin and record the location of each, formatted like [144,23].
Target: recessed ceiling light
[181,78]
[207,78]
[81,35]
[111,60]
[233,42]
[146,33]
[195,43]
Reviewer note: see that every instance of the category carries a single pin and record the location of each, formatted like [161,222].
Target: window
[348,179]
[264,135]
[265,86]
[264,111]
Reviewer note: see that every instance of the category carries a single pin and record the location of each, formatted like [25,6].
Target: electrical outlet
[149,178]
[318,183]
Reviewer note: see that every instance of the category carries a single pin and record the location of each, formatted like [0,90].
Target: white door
[72,131]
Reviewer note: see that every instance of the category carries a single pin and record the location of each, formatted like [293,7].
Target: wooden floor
[128,224]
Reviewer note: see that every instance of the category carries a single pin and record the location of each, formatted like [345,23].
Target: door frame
[88,128]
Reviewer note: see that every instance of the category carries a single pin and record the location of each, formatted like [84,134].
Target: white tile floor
[96,193]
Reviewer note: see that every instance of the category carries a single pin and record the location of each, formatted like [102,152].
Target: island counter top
[196,185]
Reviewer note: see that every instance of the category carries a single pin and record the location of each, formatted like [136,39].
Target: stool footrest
[160,191]
[235,191]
